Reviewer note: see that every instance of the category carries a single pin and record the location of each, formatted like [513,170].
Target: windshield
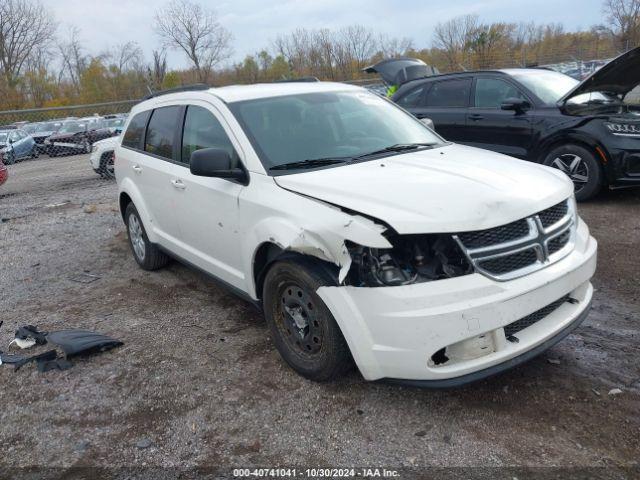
[547,85]
[114,122]
[72,127]
[322,125]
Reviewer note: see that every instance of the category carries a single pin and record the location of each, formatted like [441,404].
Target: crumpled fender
[323,238]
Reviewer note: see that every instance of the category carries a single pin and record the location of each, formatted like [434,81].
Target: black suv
[588,130]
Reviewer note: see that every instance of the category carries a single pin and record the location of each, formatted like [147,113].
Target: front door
[208,207]
[492,128]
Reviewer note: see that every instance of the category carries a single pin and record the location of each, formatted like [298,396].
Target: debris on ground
[144,443]
[85,278]
[615,391]
[91,208]
[553,361]
[71,342]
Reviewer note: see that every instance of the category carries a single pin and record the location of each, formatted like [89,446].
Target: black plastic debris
[72,343]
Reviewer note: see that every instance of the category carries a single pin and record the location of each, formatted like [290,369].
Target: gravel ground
[199,384]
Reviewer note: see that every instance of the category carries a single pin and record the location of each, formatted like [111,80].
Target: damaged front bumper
[450,332]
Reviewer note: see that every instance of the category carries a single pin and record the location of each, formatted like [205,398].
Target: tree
[25,26]
[624,20]
[187,26]
[453,36]
[74,61]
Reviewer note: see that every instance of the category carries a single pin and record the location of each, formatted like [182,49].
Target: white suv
[360,232]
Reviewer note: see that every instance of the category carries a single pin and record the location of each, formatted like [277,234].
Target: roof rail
[298,80]
[184,88]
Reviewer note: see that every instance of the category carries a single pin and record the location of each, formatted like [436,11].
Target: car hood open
[449,189]
[619,76]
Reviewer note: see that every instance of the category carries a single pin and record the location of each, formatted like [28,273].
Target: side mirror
[427,122]
[215,162]
[518,105]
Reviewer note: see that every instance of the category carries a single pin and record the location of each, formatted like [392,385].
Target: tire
[106,166]
[302,327]
[35,153]
[147,254]
[581,166]
[10,158]
[86,146]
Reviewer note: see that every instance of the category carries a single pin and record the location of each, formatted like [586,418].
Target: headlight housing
[413,259]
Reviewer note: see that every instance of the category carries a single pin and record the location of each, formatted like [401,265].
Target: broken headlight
[413,259]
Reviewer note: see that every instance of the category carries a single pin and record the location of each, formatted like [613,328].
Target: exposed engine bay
[413,259]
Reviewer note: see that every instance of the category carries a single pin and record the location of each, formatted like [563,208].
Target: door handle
[476,117]
[178,184]
[137,168]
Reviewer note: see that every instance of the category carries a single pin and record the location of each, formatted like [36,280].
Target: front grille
[509,263]
[494,236]
[558,243]
[553,215]
[536,316]
[509,251]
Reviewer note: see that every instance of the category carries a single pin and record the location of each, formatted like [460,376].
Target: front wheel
[106,166]
[303,329]
[9,158]
[581,166]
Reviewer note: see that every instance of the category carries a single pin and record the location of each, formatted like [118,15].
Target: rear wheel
[581,166]
[303,329]
[147,254]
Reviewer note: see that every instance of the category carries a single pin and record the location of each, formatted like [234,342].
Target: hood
[619,76]
[449,189]
[397,71]
[42,134]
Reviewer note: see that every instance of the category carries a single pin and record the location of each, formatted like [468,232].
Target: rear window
[450,93]
[161,131]
[135,132]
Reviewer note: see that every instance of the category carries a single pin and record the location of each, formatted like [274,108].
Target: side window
[135,132]
[413,98]
[491,92]
[161,131]
[203,130]
[450,93]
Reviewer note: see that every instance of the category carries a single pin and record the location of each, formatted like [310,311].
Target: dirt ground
[199,385]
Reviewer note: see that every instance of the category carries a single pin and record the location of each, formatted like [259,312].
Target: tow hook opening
[440,357]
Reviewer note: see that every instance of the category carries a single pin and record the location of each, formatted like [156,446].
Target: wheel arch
[598,150]
[129,194]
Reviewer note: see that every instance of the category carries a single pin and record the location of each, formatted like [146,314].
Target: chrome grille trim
[538,238]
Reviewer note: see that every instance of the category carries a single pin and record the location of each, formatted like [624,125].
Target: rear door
[446,103]
[208,207]
[151,165]
[492,128]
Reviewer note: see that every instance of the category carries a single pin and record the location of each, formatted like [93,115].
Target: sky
[254,24]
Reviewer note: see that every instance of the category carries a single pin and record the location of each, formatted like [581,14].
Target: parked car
[101,159]
[359,232]
[114,125]
[4,172]
[584,129]
[76,137]
[16,145]
[44,130]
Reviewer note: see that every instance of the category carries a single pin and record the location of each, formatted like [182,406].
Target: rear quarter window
[135,131]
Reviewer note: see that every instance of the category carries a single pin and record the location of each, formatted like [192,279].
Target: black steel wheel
[303,329]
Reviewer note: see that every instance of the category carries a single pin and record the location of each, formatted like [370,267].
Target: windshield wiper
[398,147]
[311,163]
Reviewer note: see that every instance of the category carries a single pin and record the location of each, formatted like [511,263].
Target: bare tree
[187,26]
[25,25]
[158,70]
[74,61]
[624,20]
[453,36]
[392,47]
[126,56]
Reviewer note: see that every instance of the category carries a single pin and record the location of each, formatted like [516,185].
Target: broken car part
[418,263]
